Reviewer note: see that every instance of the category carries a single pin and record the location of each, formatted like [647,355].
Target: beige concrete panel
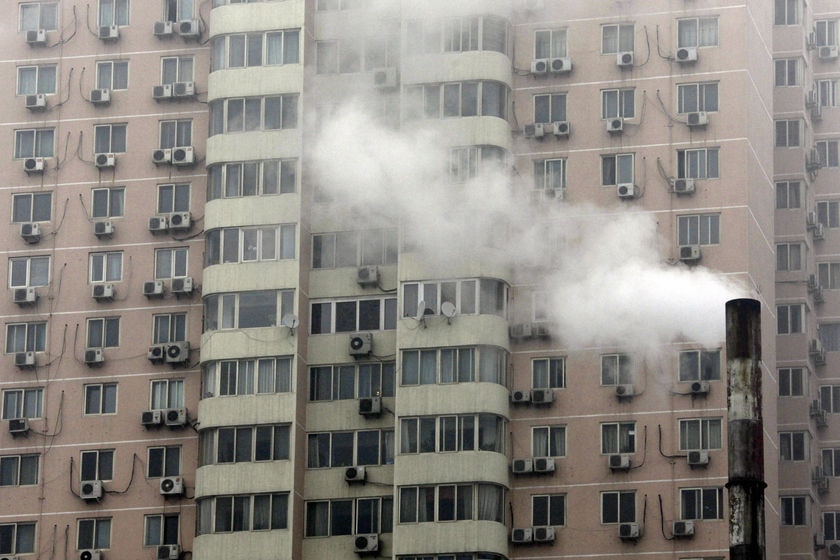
[254,545]
[330,483]
[247,410]
[236,277]
[251,146]
[344,415]
[411,9]
[342,547]
[479,264]
[439,468]
[252,211]
[460,536]
[471,131]
[333,348]
[328,282]
[257,80]
[461,330]
[260,17]
[456,67]
[244,478]
[243,343]
[431,400]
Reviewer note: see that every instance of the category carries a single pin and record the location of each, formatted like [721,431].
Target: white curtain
[489,502]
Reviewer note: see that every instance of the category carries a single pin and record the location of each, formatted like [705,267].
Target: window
[467,162]
[550,108]
[787,12]
[17,538]
[787,133]
[457,34]
[548,373]
[175,134]
[618,507]
[29,272]
[26,337]
[831,525]
[787,72]
[256,49]
[238,377]
[829,152]
[101,398]
[34,142]
[700,434]
[700,365]
[166,393]
[109,138]
[618,437]
[616,369]
[103,332]
[793,446]
[18,470]
[454,365]
[169,327]
[831,462]
[36,79]
[618,103]
[23,403]
[354,315]
[106,267]
[39,15]
[97,465]
[351,381]
[697,32]
[254,113]
[94,533]
[245,444]
[548,441]
[343,517]
[828,213]
[260,512]
[793,511]
[616,38]
[458,99]
[484,296]
[549,509]
[112,74]
[788,256]
[266,243]
[827,91]
[420,504]
[698,164]
[31,207]
[171,263]
[701,503]
[788,195]
[175,69]
[178,10]
[344,449]
[830,398]
[790,318]
[254,178]
[354,248]
[617,169]
[164,461]
[550,43]
[550,174]
[829,335]
[697,97]
[108,202]
[242,310]
[791,382]
[161,529]
[825,32]
[173,198]
[829,275]
[699,229]
[465,432]
[113,12]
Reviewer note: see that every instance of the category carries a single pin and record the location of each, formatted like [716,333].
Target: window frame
[24,472]
[114,202]
[101,407]
[100,265]
[110,338]
[36,207]
[100,533]
[707,431]
[118,78]
[42,24]
[699,229]
[23,400]
[40,88]
[43,143]
[117,138]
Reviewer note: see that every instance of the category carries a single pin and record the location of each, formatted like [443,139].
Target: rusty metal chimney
[745,428]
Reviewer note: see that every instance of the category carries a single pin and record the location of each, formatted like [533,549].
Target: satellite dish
[421,313]
[291,321]
[448,309]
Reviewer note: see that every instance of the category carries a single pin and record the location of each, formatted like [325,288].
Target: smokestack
[745,427]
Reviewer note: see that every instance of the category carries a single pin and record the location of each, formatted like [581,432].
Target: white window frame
[169,327]
[93,533]
[789,256]
[117,77]
[705,32]
[544,438]
[788,195]
[46,21]
[110,138]
[699,229]
[173,198]
[34,267]
[829,151]
[156,524]
[98,405]
[794,511]
[787,72]
[42,140]
[106,326]
[618,103]
[27,403]
[791,318]
[114,202]
[622,435]
[175,133]
[163,461]
[620,496]
[105,266]
[41,79]
[788,133]
[33,335]
[615,38]
[166,393]
[792,382]
[36,207]
[707,432]
[113,12]
[551,43]
[618,163]
[23,534]
[25,472]
[789,447]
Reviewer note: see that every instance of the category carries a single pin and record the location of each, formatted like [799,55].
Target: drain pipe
[745,428]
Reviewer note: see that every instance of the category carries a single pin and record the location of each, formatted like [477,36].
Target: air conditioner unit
[833,549]
[543,534]
[159,223]
[36,102]
[162,156]
[24,296]
[30,232]
[100,96]
[812,283]
[25,360]
[625,390]
[370,406]
[36,37]
[700,388]
[627,190]
[361,344]
[624,59]
[177,352]
[615,126]
[561,128]
[813,161]
[90,490]
[698,458]
[699,118]
[619,462]
[175,417]
[90,555]
[630,531]
[189,28]
[683,186]
[818,232]
[109,32]
[366,544]
[183,89]
[828,52]
[385,78]
[156,352]
[105,160]
[535,130]
[183,156]
[94,356]
[540,330]
[162,28]
[18,426]
[689,253]
[103,230]
[182,285]
[520,330]
[520,397]
[367,275]
[180,220]
[544,464]
[163,91]
[9,557]
[560,65]
[540,66]
[151,418]
[683,528]
[169,552]
[522,466]
[172,486]
[819,541]
[522,535]
[816,351]
[153,288]
[354,474]
[542,396]
[811,220]
[102,292]
[33,165]
[686,54]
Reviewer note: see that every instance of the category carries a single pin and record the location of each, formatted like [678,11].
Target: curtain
[317,519]
[539,442]
[408,504]
[447,365]
[489,502]
[262,512]
[265,378]
[428,364]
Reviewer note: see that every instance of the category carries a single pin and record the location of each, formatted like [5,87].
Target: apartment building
[347,278]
